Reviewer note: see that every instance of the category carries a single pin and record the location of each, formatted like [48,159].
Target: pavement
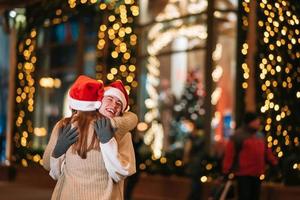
[34,183]
[30,183]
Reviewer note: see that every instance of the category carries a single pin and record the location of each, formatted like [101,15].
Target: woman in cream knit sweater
[91,160]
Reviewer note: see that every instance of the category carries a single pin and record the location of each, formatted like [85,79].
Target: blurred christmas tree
[185,154]
[190,106]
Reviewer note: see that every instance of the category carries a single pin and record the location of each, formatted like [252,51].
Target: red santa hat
[86,94]
[118,90]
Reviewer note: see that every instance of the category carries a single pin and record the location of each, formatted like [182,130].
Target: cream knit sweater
[101,175]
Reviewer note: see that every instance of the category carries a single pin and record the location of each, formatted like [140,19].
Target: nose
[114,104]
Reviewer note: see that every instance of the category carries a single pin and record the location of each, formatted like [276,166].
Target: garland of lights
[217,92]
[123,38]
[116,35]
[25,95]
[244,48]
[279,74]
[25,91]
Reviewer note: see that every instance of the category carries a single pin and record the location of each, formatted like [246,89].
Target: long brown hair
[82,120]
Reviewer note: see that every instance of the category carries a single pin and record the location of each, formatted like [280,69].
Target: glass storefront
[173,61]
[171,64]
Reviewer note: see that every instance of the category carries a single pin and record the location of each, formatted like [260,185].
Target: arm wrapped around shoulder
[119,157]
[124,123]
[50,146]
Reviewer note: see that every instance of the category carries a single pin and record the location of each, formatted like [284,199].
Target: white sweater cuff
[112,162]
[56,166]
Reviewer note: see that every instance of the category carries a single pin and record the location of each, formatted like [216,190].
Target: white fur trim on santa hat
[83,105]
[111,91]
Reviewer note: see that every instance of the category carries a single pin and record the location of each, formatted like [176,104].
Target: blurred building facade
[191,67]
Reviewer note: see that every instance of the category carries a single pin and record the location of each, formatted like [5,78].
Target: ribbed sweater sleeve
[119,157]
[50,146]
[125,123]
[56,166]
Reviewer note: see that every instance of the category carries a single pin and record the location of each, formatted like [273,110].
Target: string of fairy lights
[244,48]
[116,43]
[118,28]
[25,90]
[26,133]
[278,91]
[278,69]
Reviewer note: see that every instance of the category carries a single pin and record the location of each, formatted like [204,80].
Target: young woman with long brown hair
[83,154]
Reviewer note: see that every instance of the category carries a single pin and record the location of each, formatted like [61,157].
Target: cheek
[102,108]
[119,112]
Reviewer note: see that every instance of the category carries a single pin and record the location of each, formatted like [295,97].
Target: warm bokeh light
[277,80]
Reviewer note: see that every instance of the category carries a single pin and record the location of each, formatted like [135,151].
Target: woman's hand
[66,138]
[104,129]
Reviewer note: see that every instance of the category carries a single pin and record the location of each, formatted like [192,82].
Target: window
[173,52]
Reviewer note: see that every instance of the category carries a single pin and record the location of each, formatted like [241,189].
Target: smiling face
[111,106]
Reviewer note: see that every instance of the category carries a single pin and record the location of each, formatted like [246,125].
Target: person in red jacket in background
[246,155]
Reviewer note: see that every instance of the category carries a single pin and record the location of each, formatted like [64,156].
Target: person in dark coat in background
[193,156]
[246,155]
[133,179]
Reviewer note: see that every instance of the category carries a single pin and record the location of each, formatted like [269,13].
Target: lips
[111,111]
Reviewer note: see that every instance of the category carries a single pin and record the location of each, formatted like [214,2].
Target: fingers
[60,132]
[73,132]
[108,122]
[103,122]
[66,128]
[73,135]
[99,124]
[73,139]
[96,126]
[70,132]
